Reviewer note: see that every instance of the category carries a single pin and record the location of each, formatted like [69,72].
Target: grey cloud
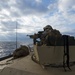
[3,38]
[72,32]
[25,7]
[8,5]
[9,25]
[20,37]
[30,7]
[4,4]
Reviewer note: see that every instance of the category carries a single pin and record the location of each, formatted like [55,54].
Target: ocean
[7,48]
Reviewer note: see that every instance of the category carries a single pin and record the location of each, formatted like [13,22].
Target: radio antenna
[16,34]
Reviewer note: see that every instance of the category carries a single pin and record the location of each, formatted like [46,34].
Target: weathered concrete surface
[13,71]
[25,66]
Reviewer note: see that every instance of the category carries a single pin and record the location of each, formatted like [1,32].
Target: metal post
[16,34]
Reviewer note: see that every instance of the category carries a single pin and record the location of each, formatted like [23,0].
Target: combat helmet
[48,27]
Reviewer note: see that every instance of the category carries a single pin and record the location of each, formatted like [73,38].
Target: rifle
[31,36]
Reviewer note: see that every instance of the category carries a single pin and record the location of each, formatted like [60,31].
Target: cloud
[32,15]
[4,4]
[70,32]
[66,7]
[39,1]
[9,24]
[31,7]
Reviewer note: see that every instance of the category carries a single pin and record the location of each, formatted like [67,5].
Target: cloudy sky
[30,16]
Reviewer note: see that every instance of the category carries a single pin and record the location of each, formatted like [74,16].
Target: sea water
[7,48]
